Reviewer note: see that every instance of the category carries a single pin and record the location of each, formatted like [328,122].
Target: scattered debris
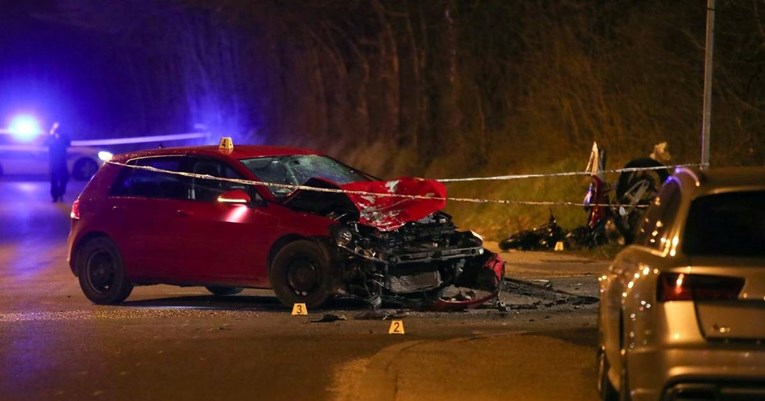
[543,283]
[525,306]
[379,314]
[328,317]
[542,293]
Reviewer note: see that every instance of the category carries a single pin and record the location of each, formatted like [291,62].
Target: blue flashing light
[24,128]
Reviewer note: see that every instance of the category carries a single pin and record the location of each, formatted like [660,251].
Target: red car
[203,216]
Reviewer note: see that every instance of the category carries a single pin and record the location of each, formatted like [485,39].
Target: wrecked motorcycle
[543,237]
[616,220]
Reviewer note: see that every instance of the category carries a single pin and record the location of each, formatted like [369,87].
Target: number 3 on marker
[299,309]
[396,327]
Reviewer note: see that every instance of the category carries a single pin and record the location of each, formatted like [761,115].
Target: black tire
[624,384]
[636,189]
[300,274]
[606,389]
[654,178]
[102,273]
[84,168]
[220,291]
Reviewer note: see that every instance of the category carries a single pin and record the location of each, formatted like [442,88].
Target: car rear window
[727,224]
[166,184]
[151,184]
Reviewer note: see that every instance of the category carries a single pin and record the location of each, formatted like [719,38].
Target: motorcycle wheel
[635,190]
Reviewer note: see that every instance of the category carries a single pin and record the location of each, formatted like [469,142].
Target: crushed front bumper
[493,269]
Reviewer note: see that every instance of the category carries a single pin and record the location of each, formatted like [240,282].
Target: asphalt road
[171,343]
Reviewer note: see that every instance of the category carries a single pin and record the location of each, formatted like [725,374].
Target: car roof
[721,179]
[239,152]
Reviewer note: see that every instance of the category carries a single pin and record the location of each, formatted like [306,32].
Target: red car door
[146,207]
[229,242]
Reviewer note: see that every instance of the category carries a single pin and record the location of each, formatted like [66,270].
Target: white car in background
[31,158]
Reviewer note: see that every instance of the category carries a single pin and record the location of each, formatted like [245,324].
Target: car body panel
[665,347]
[390,213]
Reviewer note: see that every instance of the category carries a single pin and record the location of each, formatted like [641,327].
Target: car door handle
[183,213]
[118,208]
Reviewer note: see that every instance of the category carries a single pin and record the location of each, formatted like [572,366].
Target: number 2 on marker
[396,327]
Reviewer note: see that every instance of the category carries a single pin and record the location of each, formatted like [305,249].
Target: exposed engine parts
[425,262]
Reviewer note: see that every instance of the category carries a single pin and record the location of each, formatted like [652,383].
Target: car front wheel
[300,274]
[102,272]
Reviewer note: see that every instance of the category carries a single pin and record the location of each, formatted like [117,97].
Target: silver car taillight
[697,287]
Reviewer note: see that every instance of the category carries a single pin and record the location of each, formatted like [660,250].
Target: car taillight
[75,214]
[697,287]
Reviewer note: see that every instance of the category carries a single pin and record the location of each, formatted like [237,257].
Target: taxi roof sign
[226,143]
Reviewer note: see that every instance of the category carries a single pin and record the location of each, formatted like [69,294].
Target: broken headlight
[342,235]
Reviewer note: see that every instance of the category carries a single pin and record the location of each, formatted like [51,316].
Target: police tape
[294,187]
[565,174]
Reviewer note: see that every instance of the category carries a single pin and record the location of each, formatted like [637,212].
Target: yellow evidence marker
[559,246]
[396,327]
[299,310]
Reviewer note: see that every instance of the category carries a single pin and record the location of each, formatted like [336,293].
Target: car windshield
[297,169]
[728,224]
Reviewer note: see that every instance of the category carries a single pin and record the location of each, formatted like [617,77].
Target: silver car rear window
[727,224]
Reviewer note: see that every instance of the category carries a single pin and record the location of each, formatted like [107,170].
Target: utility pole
[708,67]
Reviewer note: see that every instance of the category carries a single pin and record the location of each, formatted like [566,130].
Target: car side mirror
[235,196]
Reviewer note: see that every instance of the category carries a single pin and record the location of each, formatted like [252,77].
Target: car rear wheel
[215,290]
[606,390]
[83,169]
[624,382]
[102,272]
[300,274]
[624,388]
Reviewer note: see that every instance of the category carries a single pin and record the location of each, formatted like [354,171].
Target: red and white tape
[393,195]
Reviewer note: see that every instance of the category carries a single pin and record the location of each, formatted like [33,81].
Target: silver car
[682,310]
[31,158]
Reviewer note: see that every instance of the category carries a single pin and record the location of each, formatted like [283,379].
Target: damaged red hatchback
[202,216]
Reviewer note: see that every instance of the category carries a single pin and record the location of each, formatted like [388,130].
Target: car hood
[385,211]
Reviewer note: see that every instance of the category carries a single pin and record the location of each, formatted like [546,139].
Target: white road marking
[119,314]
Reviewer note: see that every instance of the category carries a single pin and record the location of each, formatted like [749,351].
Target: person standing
[57,142]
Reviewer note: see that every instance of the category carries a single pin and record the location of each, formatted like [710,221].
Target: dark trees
[437,87]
